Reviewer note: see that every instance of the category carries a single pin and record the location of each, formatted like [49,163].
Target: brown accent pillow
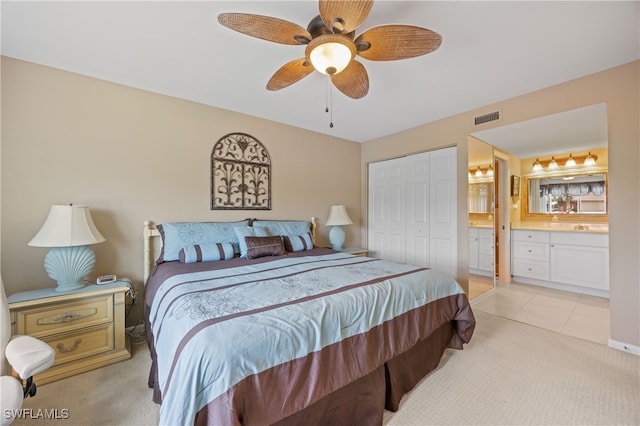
[264,246]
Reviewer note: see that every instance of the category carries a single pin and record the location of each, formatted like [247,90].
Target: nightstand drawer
[82,343]
[44,320]
[85,328]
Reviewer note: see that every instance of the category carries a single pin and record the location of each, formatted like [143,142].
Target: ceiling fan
[332,45]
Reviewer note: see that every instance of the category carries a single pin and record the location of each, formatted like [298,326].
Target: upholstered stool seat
[27,356]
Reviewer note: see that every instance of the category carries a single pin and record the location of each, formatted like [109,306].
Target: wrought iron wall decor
[240,174]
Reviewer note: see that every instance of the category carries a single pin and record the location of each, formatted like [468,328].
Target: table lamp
[69,230]
[338,217]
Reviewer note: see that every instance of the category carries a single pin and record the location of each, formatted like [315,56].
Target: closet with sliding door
[412,208]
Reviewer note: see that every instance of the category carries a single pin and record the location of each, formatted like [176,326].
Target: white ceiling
[491,51]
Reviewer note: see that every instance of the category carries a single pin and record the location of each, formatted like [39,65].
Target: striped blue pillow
[206,252]
[297,242]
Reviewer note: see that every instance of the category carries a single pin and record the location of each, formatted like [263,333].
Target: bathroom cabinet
[574,261]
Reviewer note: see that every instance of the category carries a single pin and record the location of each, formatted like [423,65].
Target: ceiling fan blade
[344,16]
[290,73]
[265,27]
[353,81]
[391,42]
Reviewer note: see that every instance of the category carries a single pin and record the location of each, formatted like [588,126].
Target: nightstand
[85,327]
[357,251]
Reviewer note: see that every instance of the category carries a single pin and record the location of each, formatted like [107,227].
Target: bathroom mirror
[571,194]
[481,207]
[481,198]
[481,180]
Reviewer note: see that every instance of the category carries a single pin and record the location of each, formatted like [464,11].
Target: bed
[249,323]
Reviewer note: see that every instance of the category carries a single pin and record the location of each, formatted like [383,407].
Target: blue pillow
[177,235]
[284,227]
[248,231]
[206,253]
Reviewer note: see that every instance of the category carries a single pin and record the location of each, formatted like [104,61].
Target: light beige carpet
[510,374]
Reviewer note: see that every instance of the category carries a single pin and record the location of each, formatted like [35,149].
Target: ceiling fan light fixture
[331,53]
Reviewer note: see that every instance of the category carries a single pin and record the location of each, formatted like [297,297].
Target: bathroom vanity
[566,256]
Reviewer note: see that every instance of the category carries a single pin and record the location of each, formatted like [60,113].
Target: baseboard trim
[624,347]
[564,287]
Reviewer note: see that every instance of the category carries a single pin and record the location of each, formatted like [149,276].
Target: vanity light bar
[587,160]
[481,171]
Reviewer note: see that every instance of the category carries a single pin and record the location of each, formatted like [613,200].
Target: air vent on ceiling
[482,119]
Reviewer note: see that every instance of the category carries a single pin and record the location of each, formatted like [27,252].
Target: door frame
[502,226]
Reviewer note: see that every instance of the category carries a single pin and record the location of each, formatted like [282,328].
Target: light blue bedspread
[212,329]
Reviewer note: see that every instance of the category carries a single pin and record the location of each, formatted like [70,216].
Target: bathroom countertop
[602,228]
[480,224]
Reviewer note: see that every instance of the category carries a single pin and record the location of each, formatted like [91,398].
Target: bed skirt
[365,399]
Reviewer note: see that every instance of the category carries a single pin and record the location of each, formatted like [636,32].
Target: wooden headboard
[152,245]
[149,233]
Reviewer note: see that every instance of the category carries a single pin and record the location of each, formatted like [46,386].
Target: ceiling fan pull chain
[331,104]
[326,94]
[329,101]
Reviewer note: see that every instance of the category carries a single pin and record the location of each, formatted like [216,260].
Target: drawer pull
[62,349]
[67,317]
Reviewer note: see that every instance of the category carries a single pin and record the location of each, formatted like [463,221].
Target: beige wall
[620,88]
[133,155]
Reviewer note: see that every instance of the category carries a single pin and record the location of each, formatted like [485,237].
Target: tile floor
[578,315]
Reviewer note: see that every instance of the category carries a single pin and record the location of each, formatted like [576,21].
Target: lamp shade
[589,160]
[570,162]
[338,216]
[69,230]
[537,166]
[67,226]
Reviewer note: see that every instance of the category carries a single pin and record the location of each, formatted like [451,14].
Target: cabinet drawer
[530,236]
[531,251]
[536,270]
[82,343]
[44,320]
[580,239]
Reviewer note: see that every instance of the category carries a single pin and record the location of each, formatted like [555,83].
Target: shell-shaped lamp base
[69,265]
[336,237]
